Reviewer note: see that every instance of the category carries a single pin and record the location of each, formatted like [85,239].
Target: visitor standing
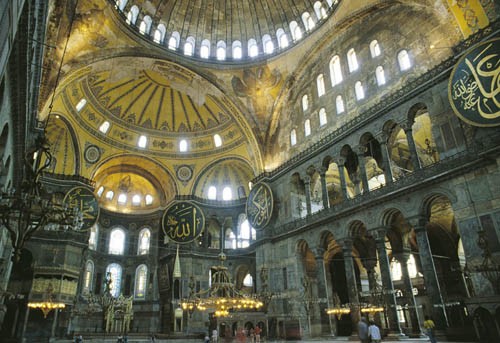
[429,329]
[257,334]
[215,335]
[363,330]
[374,332]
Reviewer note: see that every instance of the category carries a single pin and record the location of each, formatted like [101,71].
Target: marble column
[352,286]
[382,139]
[324,189]
[343,184]
[412,146]
[429,270]
[408,292]
[322,293]
[360,152]
[385,274]
[307,183]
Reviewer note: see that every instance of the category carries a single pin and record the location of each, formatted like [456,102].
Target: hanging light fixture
[30,207]
[222,297]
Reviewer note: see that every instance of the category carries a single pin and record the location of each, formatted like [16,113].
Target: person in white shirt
[374,332]
[215,336]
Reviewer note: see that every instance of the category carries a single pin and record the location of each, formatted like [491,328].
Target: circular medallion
[85,201]
[182,222]
[92,154]
[473,89]
[184,173]
[260,205]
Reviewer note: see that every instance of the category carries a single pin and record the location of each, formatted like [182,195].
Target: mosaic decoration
[92,154]
[85,200]
[182,222]
[259,207]
[474,89]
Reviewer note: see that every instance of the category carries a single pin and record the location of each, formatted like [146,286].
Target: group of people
[241,335]
[370,332]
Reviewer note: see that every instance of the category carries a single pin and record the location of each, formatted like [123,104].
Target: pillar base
[395,336]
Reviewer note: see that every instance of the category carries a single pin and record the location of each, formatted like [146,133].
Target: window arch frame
[282,38]
[308,21]
[380,76]
[307,127]
[205,46]
[293,137]
[339,104]
[323,119]
[141,275]
[375,50]
[145,25]
[253,48]
[174,41]
[189,46]
[336,71]
[237,50]
[320,84]
[141,249]
[161,30]
[88,277]
[117,281]
[352,60]
[404,61]
[132,15]
[113,250]
[359,91]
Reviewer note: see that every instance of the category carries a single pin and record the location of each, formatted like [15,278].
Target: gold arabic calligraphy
[183,222]
[478,88]
[260,207]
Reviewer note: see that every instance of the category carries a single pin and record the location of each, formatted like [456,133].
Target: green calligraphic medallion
[260,205]
[86,202]
[474,87]
[182,222]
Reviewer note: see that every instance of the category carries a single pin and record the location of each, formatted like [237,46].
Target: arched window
[335,70]
[115,270]
[295,30]
[145,25]
[144,242]
[94,234]
[305,103]
[110,195]
[253,49]
[120,4]
[189,46]
[339,104]
[319,10]
[142,142]
[212,193]
[379,73]
[221,50]
[100,191]
[404,60]
[173,42]
[293,137]
[352,60]
[307,127]
[217,140]
[374,48]
[248,280]
[88,276]
[282,38]
[320,83]
[322,117]
[104,127]
[136,200]
[205,49]
[230,239]
[308,21]
[268,44]
[247,234]
[149,199]
[360,92]
[141,276]
[132,14]
[81,104]
[116,242]
[237,50]
[227,193]
[122,198]
[183,145]
[159,34]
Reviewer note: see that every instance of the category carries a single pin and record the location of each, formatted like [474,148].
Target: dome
[228,30]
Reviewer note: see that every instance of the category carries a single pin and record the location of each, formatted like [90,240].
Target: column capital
[406,126]
[322,170]
[417,222]
[307,179]
[360,150]
[318,253]
[403,255]
[382,137]
[379,233]
[347,244]
[340,161]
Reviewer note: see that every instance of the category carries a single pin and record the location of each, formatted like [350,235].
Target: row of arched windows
[282,39]
[115,271]
[336,78]
[117,239]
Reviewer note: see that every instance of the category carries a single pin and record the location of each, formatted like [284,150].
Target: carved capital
[379,233]
[406,126]
[307,179]
[322,171]
[319,253]
[417,222]
[340,161]
[360,150]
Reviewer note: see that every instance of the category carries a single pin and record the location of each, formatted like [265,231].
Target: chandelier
[488,268]
[29,207]
[222,297]
[338,309]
